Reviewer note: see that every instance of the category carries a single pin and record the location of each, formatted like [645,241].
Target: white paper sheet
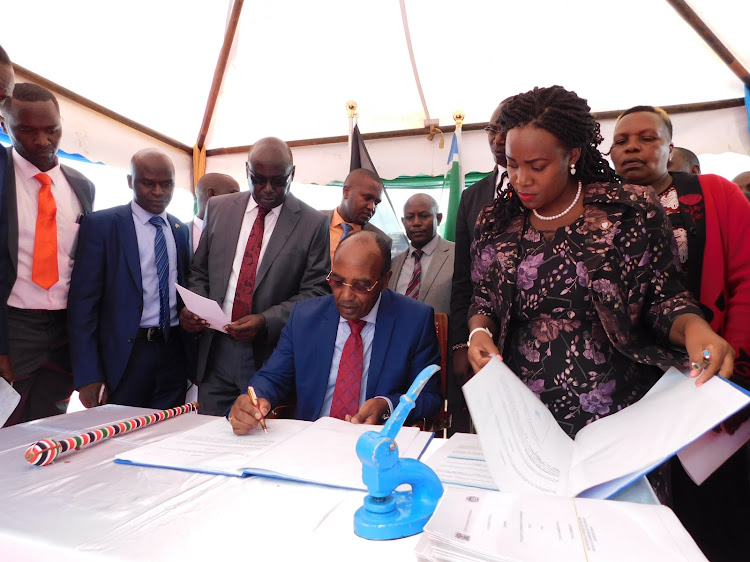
[9,399]
[486,525]
[321,452]
[527,451]
[207,309]
[703,456]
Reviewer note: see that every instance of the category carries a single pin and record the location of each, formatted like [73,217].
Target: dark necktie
[243,296]
[347,228]
[44,271]
[412,290]
[349,378]
[162,271]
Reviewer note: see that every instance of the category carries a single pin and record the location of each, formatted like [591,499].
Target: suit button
[131,339]
[140,309]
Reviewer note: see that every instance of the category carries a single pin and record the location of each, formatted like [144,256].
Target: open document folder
[527,451]
[485,525]
[320,452]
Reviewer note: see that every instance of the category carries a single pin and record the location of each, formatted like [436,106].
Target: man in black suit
[473,199]
[41,211]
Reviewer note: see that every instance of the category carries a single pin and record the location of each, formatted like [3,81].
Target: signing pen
[254,400]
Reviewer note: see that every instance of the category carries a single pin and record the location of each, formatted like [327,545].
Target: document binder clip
[386,513]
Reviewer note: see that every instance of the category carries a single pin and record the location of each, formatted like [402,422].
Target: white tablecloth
[84,506]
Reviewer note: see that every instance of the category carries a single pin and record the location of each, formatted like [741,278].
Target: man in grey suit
[42,206]
[425,270]
[260,252]
[361,195]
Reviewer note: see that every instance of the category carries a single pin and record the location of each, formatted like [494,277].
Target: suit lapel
[232,240]
[129,243]
[383,329]
[284,226]
[12,202]
[81,189]
[436,264]
[398,264]
[182,242]
[328,327]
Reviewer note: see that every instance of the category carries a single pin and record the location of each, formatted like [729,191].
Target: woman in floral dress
[574,274]
[711,222]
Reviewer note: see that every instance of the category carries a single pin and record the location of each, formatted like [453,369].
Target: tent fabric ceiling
[294,64]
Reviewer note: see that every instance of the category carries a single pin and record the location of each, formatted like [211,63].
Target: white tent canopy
[294,64]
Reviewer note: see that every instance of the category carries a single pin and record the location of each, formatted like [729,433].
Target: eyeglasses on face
[492,131]
[278,181]
[358,286]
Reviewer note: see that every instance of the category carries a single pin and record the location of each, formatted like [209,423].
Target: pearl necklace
[565,212]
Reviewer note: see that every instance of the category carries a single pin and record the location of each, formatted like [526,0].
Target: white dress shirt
[407,269]
[368,334]
[197,231]
[247,225]
[145,232]
[26,293]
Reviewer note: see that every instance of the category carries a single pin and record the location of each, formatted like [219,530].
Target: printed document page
[527,451]
[322,452]
[481,524]
[9,399]
[525,448]
[460,461]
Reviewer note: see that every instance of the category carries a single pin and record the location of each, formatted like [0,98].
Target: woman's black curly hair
[566,116]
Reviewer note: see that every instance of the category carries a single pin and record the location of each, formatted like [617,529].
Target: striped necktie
[349,378]
[162,271]
[412,290]
[347,228]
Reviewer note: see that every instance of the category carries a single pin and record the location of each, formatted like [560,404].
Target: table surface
[84,506]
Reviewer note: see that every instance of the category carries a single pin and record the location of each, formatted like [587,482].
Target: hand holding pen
[248,412]
[254,400]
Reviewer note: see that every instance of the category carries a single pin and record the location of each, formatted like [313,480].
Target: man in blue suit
[126,344]
[353,354]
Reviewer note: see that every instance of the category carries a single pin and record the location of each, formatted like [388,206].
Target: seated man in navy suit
[126,344]
[349,355]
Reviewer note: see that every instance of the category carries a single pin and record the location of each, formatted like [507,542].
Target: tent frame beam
[87,103]
[705,33]
[671,109]
[219,72]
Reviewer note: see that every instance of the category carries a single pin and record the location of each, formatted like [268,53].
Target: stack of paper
[320,452]
[527,451]
[488,526]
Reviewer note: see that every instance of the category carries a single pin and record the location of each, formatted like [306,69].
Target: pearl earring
[572,169]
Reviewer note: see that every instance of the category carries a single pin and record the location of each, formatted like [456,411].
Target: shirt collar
[198,222]
[371,316]
[252,204]
[337,219]
[27,170]
[144,216]
[429,247]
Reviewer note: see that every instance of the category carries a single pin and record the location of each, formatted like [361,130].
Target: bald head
[152,180]
[684,160]
[213,184]
[270,170]
[743,180]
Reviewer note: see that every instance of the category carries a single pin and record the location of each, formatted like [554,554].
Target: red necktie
[44,266]
[349,378]
[412,290]
[243,297]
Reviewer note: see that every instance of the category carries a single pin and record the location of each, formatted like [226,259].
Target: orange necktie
[44,269]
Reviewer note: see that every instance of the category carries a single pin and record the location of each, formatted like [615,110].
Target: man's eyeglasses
[492,130]
[278,181]
[358,286]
